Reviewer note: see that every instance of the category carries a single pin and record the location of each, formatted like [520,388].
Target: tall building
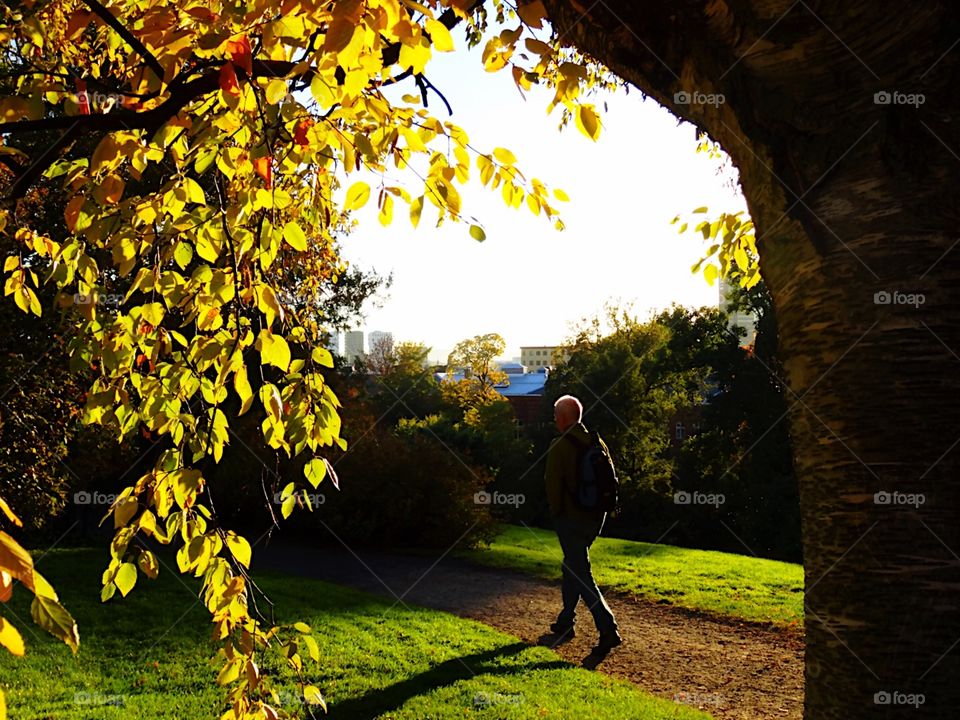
[737,318]
[353,345]
[539,356]
[378,337]
[333,342]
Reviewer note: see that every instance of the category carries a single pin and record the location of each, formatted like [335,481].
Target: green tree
[741,451]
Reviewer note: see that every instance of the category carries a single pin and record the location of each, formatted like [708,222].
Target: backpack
[597,487]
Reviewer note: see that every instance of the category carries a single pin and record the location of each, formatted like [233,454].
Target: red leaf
[228,79]
[300,132]
[83,100]
[241,54]
[264,168]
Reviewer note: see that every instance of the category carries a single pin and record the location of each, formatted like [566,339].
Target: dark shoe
[607,642]
[562,630]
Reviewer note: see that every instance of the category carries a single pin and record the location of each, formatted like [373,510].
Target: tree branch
[137,46]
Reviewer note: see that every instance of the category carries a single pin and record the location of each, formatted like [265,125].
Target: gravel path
[733,670]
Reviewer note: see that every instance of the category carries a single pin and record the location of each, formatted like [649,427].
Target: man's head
[567,412]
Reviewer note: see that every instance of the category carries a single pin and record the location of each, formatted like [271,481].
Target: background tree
[741,451]
[633,377]
[381,356]
[474,358]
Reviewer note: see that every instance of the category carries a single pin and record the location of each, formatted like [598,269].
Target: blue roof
[526,384]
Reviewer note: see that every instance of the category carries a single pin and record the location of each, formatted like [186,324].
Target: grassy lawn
[147,656]
[715,582]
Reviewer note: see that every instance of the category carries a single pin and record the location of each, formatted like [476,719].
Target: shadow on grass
[393,697]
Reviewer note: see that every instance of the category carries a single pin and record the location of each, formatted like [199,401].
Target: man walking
[576,527]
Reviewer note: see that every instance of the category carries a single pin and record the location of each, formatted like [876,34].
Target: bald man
[576,528]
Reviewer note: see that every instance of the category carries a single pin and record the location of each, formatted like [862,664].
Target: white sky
[618,243]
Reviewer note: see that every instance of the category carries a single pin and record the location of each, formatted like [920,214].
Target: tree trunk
[855,201]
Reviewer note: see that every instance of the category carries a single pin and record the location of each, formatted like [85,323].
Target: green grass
[715,582]
[147,656]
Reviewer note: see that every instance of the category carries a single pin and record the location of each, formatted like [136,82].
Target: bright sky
[527,281]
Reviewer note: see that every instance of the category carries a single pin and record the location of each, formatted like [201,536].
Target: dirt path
[732,670]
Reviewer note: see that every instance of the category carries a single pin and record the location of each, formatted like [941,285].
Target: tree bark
[852,197]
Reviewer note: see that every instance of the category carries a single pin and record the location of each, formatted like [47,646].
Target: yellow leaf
[126,578]
[440,36]
[194,191]
[153,313]
[9,513]
[357,196]
[588,122]
[273,350]
[322,356]
[312,648]
[386,210]
[315,471]
[532,14]
[294,235]
[148,564]
[10,638]
[240,548]
[477,233]
[183,254]
[270,397]
[123,511]
[415,57]
[710,273]
[276,91]
[416,208]
[242,385]
[313,697]
[15,561]
[106,155]
[52,617]
[504,156]
[230,671]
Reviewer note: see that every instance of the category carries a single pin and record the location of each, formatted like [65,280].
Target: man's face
[561,419]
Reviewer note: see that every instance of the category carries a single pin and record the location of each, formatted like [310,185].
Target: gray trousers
[576,537]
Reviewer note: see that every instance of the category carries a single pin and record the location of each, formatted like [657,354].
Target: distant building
[524,392]
[353,345]
[747,321]
[539,356]
[375,338]
[512,368]
[333,342]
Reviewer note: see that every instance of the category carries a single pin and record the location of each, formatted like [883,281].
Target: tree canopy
[208,159]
